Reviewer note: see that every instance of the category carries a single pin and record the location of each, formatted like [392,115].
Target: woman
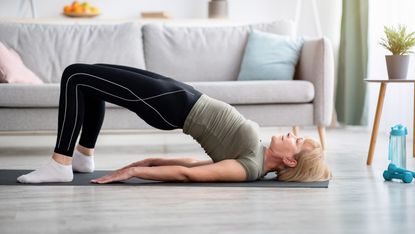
[228,138]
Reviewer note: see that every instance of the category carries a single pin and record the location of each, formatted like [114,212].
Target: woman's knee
[101,64]
[73,69]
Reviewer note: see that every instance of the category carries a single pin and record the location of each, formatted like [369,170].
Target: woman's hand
[118,175]
[123,173]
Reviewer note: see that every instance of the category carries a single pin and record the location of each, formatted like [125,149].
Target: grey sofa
[208,58]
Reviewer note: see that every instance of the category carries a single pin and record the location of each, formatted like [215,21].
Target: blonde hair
[311,165]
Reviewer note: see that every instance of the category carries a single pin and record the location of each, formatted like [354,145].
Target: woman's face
[286,145]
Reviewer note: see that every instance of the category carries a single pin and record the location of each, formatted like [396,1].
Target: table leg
[375,129]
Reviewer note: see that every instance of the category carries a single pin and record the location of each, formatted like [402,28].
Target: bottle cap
[399,130]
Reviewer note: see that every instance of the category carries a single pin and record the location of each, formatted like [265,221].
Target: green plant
[397,40]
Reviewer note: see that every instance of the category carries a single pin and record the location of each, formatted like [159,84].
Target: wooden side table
[379,106]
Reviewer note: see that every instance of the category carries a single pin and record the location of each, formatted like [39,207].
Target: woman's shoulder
[253,162]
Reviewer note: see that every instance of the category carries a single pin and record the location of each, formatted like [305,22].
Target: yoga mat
[8,177]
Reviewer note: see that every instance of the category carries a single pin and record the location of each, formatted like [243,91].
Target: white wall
[398,106]
[247,10]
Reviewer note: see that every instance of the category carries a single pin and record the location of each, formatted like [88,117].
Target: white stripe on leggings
[136,100]
[97,77]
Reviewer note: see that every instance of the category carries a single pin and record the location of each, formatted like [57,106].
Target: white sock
[82,162]
[52,171]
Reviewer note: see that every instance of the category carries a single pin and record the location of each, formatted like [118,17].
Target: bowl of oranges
[78,9]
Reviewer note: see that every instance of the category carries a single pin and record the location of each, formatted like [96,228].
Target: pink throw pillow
[12,69]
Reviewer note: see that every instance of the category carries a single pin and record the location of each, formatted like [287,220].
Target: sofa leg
[296,130]
[322,134]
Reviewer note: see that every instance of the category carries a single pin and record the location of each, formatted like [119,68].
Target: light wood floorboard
[357,200]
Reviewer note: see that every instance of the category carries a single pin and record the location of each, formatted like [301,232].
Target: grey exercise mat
[8,177]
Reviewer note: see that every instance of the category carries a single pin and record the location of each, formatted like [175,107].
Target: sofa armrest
[316,64]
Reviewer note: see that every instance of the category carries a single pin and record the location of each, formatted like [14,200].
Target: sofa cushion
[269,56]
[201,53]
[240,92]
[12,69]
[25,95]
[48,48]
[258,92]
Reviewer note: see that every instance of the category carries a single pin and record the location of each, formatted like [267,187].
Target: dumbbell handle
[405,177]
[394,169]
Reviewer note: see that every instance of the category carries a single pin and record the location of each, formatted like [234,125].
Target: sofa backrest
[201,53]
[48,48]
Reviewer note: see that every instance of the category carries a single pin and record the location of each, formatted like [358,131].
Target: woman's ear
[289,162]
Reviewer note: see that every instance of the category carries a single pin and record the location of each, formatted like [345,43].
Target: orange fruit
[67,9]
[78,9]
[75,4]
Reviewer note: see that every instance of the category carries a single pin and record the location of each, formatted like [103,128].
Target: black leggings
[162,102]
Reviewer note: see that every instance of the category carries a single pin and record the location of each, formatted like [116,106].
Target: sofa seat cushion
[258,92]
[232,92]
[28,95]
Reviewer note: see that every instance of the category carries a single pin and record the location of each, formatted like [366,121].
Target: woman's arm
[186,162]
[226,170]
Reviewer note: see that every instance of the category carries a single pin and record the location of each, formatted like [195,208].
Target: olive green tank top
[225,134]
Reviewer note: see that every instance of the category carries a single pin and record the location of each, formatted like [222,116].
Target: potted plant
[399,42]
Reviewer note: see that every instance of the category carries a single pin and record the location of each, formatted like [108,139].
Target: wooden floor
[357,200]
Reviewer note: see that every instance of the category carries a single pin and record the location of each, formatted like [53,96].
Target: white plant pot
[397,66]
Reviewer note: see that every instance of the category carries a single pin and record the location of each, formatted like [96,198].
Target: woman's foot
[52,171]
[82,162]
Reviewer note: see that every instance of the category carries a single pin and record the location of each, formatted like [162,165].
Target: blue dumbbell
[394,169]
[406,177]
